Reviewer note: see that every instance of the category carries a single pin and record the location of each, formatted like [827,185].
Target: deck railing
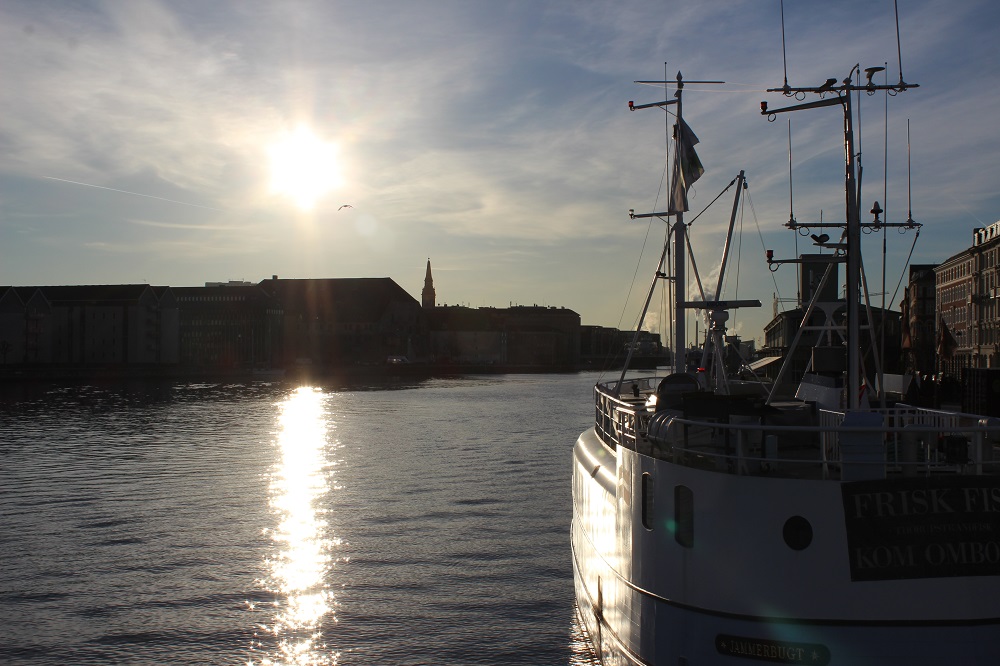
[905,441]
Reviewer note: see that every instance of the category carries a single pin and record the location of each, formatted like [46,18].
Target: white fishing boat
[714,524]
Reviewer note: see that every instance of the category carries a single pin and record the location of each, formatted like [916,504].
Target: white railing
[909,441]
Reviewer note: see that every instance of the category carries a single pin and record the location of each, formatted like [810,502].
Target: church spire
[427,295]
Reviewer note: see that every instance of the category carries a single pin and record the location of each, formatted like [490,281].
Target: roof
[338,299]
[461,318]
[118,294]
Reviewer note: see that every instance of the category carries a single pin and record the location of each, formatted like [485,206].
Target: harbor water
[387,522]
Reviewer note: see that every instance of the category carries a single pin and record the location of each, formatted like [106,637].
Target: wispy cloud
[475,133]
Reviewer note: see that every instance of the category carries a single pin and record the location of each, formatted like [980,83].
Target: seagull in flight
[346,206]
[822,238]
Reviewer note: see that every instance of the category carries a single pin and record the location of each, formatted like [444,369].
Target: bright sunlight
[304,168]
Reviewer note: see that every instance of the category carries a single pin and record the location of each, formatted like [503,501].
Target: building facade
[88,325]
[919,315]
[967,292]
[228,326]
[341,322]
[524,336]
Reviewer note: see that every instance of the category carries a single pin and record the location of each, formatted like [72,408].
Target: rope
[763,246]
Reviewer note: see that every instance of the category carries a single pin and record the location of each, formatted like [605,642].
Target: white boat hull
[741,593]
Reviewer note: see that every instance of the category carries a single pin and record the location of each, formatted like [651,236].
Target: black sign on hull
[923,528]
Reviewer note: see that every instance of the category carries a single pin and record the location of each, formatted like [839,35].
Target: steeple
[427,295]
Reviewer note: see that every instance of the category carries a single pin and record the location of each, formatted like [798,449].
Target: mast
[853,257]
[678,180]
[680,253]
[841,95]
[740,185]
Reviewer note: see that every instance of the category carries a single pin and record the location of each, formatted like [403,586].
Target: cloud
[487,134]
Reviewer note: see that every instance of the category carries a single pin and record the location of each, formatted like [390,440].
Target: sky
[148,141]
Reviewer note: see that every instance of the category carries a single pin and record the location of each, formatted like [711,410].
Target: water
[403,523]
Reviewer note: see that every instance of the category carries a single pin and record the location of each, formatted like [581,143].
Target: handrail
[960,443]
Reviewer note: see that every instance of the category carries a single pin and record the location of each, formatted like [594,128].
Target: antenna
[791,214]
[841,96]
[899,51]
[791,210]
[784,58]
[909,208]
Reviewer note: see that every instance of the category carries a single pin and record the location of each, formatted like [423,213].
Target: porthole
[798,533]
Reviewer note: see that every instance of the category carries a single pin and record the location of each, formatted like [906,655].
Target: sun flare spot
[304,167]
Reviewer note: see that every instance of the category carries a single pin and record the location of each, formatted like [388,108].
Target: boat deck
[797,439]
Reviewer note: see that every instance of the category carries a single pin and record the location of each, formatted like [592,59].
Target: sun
[304,167]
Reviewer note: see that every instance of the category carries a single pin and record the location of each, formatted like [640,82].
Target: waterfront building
[604,347]
[340,322]
[539,336]
[88,325]
[464,335]
[919,320]
[524,336]
[228,326]
[967,289]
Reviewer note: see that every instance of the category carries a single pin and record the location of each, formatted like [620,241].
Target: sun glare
[304,168]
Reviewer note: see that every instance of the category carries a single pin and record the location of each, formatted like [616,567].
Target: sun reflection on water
[301,555]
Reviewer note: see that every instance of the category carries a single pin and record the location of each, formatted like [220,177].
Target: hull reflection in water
[301,558]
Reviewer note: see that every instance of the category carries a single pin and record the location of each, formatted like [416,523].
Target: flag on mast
[687,166]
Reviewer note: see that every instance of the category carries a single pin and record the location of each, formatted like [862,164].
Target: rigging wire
[690,248]
[906,263]
[709,205]
[649,227]
[763,245]
[671,284]
[739,256]
[909,217]
[635,273]
[739,248]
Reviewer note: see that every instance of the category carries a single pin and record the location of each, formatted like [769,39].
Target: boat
[716,523]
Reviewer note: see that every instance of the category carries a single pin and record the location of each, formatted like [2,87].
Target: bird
[826,86]
[346,206]
[822,238]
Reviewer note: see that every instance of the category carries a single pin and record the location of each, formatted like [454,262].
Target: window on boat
[647,501]
[684,516]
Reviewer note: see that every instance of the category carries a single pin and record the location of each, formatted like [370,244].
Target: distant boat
[715,524]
